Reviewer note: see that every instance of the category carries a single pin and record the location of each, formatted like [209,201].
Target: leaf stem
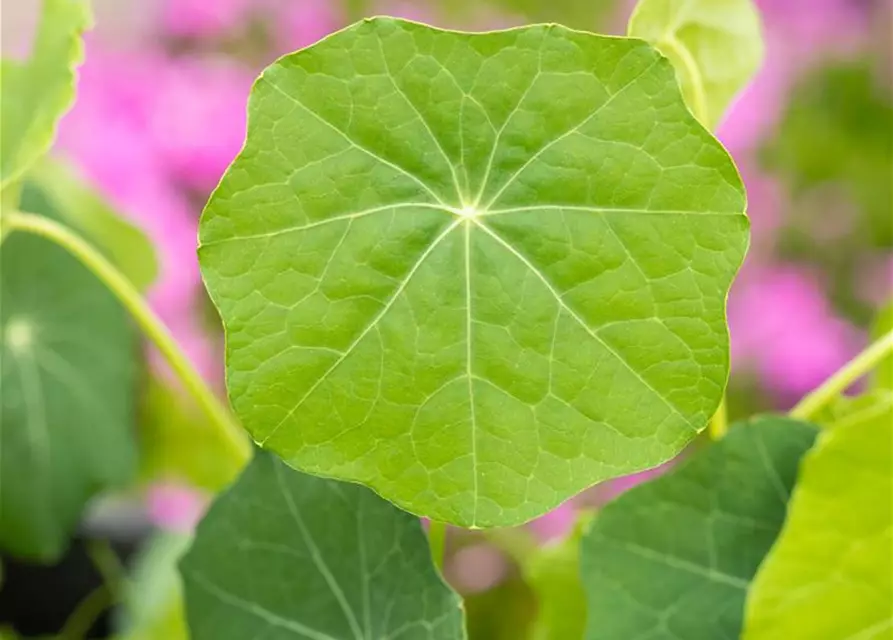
[151,325]
[699,108]
[437,542]
[810,405]
[719,423]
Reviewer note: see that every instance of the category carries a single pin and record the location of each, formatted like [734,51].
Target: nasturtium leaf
[37,92]
[287,555]
[715,45]
[88,212]
[477,272]
[68,371]
[673,558]
[829,573]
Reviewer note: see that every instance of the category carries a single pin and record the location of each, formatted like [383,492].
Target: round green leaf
[476,272]
[68,361]
[286,555]
[674,558]
[715,45]
[829,573]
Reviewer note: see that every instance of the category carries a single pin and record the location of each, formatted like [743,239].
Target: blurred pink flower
[300,23]
[875,279]
[197,118]
[175,507]
[607,491]
[556,524]
[203,18]
[783,327]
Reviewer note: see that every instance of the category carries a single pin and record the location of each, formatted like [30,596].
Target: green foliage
[36,93]
[178,441]
[68,359]
[715,45]
[673,558]
[829,573]
[307,557]
[87,212]
[883,376]
[441,281]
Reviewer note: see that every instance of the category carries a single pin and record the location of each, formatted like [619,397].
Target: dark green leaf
[477,272]
[69,358]
[286,555]
[673,558]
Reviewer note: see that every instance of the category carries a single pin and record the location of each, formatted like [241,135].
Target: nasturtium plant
[829,573]
[38,91]
[715,46]
[283,554]
[69,372]
[476,272]
[674,558]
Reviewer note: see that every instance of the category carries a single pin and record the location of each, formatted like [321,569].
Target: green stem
[153,328]
[719,423]
[699,108]
[437,542]
[86,614]
[809,406]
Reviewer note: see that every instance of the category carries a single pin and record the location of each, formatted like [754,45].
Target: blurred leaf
[314,558]
[505,612]
[466,245]
[86,210]
[35,94]
[882,378]
[715,45]
[554,575]
[846,409]
[177,441]
[69,358]
[829,573]
[153,606]
[673,558]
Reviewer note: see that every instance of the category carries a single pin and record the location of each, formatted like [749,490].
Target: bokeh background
[161,113]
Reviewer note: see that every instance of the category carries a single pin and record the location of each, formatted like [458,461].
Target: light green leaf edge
[673,558]
[280,353]
[313,558]
[87,211]
[830,573]
[38,92]
[715,45]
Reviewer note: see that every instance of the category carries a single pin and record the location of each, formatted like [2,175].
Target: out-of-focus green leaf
[36,93]
[68,356]
[178,442]
[284,552]
[153,606]
[436,243]
[830,573]
[673,558]
[715,45]
[505,612]
[554,574]
[85,210]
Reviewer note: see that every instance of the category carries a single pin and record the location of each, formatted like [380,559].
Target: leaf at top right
[715,45]
[829,574]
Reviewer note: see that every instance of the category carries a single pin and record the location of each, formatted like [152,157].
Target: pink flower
[783,326]
[197,118]
[203,18]
[300,23]
[175,507]
[556,524]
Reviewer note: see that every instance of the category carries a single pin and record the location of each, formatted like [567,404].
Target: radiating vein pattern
[673,559]
[477,272]
[283,555]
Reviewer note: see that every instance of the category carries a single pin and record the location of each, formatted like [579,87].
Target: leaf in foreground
[673,558]
[37,92]
[441,281]
[68,358]
[829,573]
[285,553]
[715,45]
